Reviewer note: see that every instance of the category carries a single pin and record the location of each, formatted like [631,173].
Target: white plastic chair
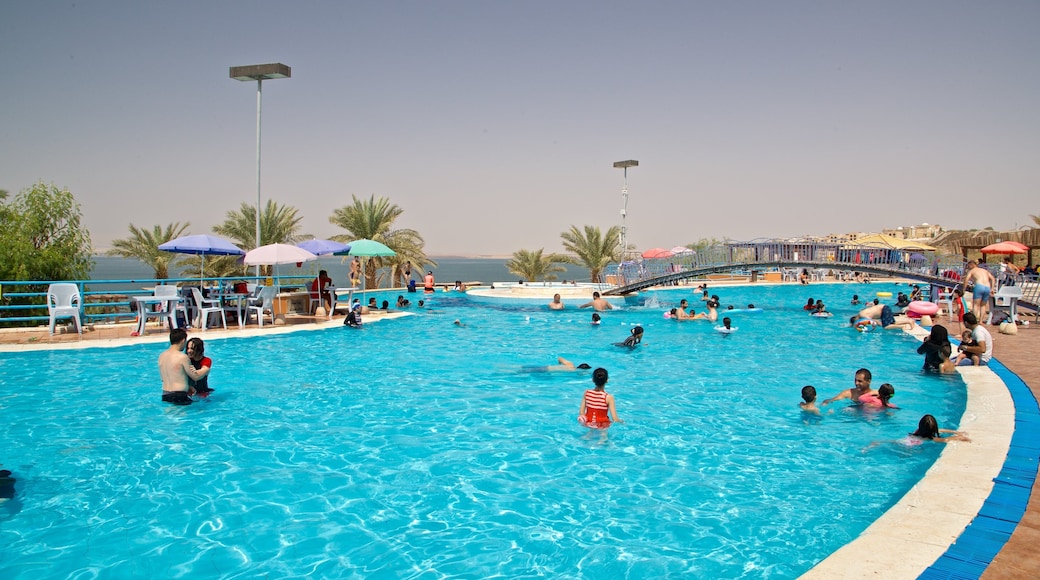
[207,307]
[264,303]
[64,301]
[173,306]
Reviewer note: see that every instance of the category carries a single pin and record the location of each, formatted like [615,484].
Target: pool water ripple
[414,448]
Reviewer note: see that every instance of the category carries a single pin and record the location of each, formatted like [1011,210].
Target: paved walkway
[1019,559]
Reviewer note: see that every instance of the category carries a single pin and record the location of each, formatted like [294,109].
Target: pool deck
[901,544]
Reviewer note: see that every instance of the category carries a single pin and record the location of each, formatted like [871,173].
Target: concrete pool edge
[923,525]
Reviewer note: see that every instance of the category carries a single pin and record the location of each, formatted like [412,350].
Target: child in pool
[597,405]
[927,430]
[634,339]
[595,318]
[809,398]
[879,398]
[855,299]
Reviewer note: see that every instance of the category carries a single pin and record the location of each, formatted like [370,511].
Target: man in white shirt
[984,348]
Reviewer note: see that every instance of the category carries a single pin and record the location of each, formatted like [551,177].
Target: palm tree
[532,266]
[373,219]
[279,224]
[143,245]
[592,249]
[1036,219]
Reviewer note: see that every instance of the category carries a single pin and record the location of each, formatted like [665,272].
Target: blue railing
[24,301]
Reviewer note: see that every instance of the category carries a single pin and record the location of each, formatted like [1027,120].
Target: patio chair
[172,307]
[207,307]
[264,302]
[64,301]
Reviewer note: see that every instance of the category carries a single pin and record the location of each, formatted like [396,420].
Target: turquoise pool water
[414,448]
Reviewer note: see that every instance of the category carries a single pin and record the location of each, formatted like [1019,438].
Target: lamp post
[259,73]
[624,210]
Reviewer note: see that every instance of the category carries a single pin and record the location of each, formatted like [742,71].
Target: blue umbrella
[202,245]
[323,247]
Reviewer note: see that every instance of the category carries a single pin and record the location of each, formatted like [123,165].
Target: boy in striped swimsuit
[597,406]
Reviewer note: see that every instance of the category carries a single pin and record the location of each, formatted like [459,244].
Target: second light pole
[624,209]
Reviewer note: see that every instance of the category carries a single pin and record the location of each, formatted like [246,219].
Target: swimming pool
[416,448]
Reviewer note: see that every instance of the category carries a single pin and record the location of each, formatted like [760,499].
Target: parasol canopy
[274,254]
[682,251]
[1008,247]
[367,248]
[884,242]
[657,253]
[320,247]
[201,245]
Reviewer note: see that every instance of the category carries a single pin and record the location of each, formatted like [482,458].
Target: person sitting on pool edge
[597,405]
[202,363]
[862,387]
[175,370]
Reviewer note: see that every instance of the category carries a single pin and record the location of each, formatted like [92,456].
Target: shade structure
[202,245]
[366,248]
[274,254]
[657,253]
[320,247]
[884,242]
[682,251]
[1008,247]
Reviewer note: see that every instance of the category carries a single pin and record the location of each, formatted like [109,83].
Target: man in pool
[556,303]
[598,303]
[175,369]
[563,365]
[862,387]
[883,312]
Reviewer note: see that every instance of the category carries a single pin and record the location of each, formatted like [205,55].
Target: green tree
[42,238]
[279,224]
[143,245]
[592,249]
[373,219]
[533,266]
[1036,219]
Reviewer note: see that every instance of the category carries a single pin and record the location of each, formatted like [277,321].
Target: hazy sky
[494,125]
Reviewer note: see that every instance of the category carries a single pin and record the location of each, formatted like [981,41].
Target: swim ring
[884,294]
[923,308]
[725,330]
[864,325]
[822,314]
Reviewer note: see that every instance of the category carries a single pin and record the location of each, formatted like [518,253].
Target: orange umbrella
[657,253]
[1008,247]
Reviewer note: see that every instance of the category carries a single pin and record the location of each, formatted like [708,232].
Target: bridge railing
[776,255]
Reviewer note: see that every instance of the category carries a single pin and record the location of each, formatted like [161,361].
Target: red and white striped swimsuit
[596,415]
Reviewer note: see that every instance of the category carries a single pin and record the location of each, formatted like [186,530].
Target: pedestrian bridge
[786,260]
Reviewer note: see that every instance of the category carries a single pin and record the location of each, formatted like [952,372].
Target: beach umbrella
[202,245]
[366,248]
[1008,247]
[657,253]
[274,254]
[320,247]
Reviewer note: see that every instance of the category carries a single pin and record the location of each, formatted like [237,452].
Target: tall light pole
[624,210]
[259,73]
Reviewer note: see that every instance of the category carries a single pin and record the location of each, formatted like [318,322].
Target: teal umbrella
[366,248]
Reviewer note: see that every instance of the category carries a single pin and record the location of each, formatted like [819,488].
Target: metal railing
[24,303]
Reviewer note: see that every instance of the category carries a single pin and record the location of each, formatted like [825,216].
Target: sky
[494,126]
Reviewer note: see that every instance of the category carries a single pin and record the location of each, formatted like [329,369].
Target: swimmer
[6,485]
[809,400]
[597,405]
[458,322]
[810,305]
[597,303]
[727,326]
[556,303]
[862,387]
[633,340]
[927,430]
[712,314]
[176,370]
[855,300]
[879,398]
[595,318]
[196,355]
[563,365]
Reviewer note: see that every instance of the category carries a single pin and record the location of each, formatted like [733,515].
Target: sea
[448,270]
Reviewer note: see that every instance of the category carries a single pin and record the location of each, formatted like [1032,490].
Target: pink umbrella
[1008,247]
[657,253]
